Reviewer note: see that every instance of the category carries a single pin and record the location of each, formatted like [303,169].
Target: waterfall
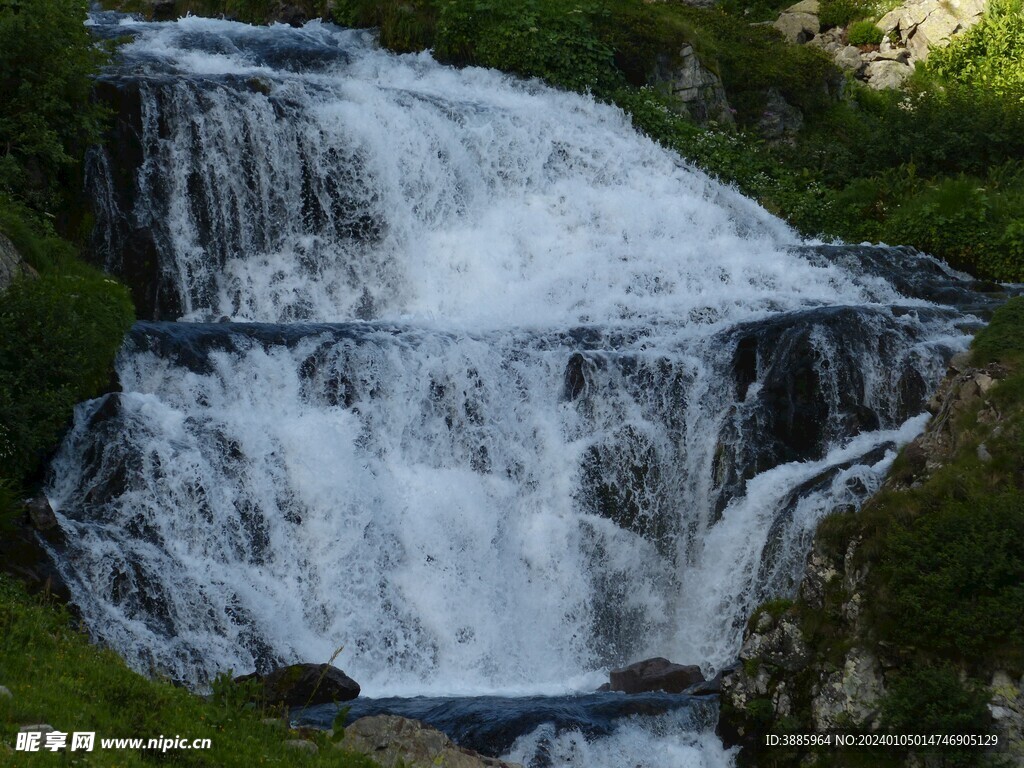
[459,373]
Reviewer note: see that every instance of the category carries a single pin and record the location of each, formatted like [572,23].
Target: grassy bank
[56,676]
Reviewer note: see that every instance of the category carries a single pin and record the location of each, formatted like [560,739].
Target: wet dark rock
[577,371]
[291,15]
[163,10]
[657,674]
[299,685]
[40,514]
[711,687]
[121,243]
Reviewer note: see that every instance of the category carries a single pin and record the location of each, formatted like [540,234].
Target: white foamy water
[580,404]
[379,186]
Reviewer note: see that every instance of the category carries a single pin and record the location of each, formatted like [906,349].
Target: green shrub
[934,700]
[554,40]
[989,54]
[954,578]
[10,506]
[58,677]
[1002,340]
[58,337]
[864,33]
[47,117]
[839,13]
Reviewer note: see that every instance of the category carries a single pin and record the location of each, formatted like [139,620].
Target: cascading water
[468,378]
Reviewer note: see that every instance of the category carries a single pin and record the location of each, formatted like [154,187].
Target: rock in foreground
[393,741]
[301,685]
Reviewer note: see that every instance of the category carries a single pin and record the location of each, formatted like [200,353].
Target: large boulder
[921,25]
[698,90]
[799,23]
[299,685]
[655,674]
[779,118]
[884,73]
[393,741]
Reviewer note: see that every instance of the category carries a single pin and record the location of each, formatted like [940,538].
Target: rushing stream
[464,375]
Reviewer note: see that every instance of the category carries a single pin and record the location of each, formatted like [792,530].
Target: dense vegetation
[937,165]
[56,676]
[59,332]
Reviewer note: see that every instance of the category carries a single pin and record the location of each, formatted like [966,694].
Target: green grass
[58,677]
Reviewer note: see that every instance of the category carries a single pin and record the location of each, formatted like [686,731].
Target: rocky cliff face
[11,264]
[812,665]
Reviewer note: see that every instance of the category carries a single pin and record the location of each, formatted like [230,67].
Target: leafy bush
[934,700]
[46,115]
[57,676]
[839,13]
[554,40]
[955,577]
[58,337]
[1002,340]
[9,503]
[864,33]
[989,54]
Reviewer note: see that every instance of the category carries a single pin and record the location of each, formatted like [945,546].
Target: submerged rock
[398,741]
[300,685]
[655,674]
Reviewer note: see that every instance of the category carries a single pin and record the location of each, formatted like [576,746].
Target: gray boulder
[799,23]
[11,264]
[780,118]
[921,25]
[697,88]
[883,73]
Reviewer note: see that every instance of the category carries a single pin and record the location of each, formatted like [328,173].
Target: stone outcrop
[696,88]
[655,674]
[909,33]
[393,741]
[920,26]
[11,264]
[299,685]
[1007,708]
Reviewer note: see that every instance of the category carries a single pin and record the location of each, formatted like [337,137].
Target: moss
[760,710]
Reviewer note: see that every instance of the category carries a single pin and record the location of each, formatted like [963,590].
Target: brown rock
[302,685]
[655,674]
